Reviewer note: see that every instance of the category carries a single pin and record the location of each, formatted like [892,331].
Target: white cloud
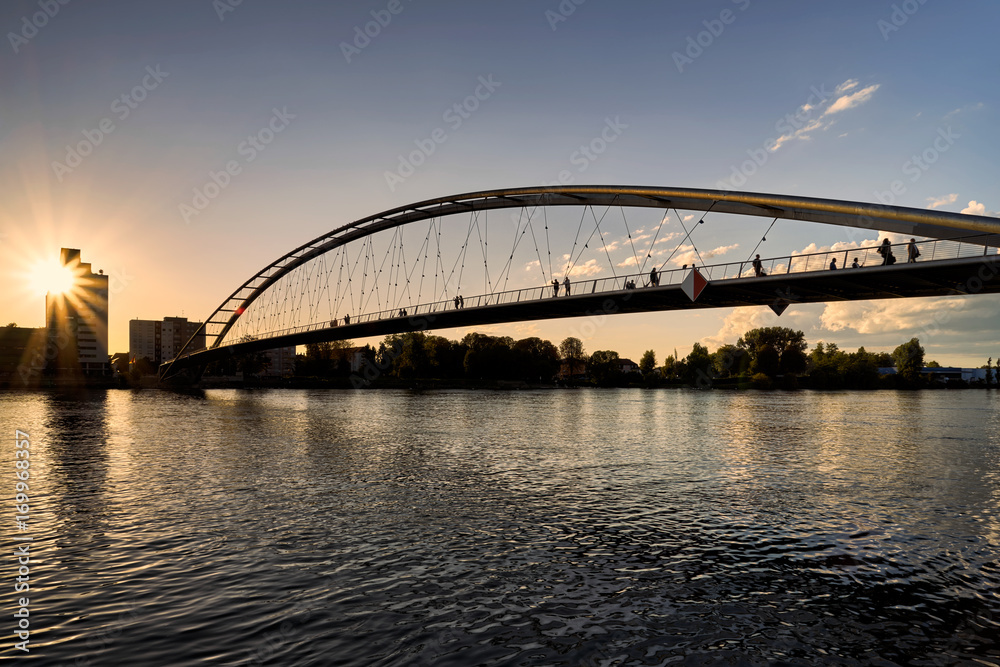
[975,208]
[890,316]
[688,217]
[801,133]
[850,84]
[738,322]
[842,102]
[669,237]
[954,112]
[687,254]
[934,202]
[852,100]
[587,269]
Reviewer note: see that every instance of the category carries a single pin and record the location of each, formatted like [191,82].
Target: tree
[489,356]
[826,365]
[325,358]
[571,351]
[647,364]
[883,360]
[670,368]
[860,370]
[698,366]
[535,359]
[909,358]
[139,367]
[604,367]
[730,361]
[446,358]
[766,361]
[774,350]
[408,354]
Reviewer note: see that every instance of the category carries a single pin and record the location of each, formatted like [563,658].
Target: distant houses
[944,374]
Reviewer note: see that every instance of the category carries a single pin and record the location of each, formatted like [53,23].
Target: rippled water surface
[509,528]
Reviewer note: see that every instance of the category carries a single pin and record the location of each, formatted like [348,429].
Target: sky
[115,116]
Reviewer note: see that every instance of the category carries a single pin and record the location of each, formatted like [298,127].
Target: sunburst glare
[50,276]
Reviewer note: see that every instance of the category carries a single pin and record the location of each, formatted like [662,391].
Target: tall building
[161,341]
[76,320]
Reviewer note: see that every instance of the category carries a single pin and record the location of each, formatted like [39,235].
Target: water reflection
[76,444]
[577,527]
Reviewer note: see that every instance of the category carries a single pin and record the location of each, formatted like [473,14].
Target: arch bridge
[611,249]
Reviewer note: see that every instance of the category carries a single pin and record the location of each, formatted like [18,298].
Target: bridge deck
[971,275]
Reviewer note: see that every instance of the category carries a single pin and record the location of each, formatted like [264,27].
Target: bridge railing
[867,257]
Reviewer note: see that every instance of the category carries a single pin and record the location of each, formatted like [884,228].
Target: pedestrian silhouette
[912,252]
[555,287]
[758,266]
[833,263]
[566,285]
[886,251]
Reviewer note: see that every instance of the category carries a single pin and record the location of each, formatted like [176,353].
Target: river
[572,527]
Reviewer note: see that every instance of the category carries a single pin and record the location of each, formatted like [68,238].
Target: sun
[50,276]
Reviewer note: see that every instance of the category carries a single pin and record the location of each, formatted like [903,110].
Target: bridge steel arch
[908,221]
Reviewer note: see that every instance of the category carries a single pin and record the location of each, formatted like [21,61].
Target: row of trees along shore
[769,357]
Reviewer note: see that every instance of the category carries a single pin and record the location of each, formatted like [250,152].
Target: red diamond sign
[693,284]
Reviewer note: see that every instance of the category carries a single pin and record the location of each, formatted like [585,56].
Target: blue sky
[873,84]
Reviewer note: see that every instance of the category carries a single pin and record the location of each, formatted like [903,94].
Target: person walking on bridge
[886,251]
[555,287]
[758,266]
[566,285]
[654,277]
[912,252]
